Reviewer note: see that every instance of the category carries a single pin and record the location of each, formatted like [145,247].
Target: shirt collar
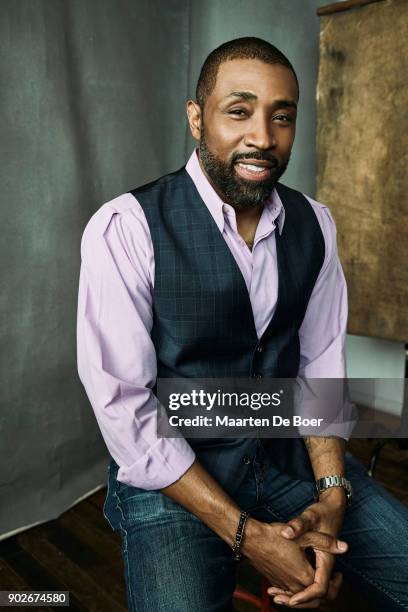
[217,207]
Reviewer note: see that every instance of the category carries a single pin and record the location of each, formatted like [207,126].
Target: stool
[263,603]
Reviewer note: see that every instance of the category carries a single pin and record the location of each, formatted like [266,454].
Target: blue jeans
[173,562]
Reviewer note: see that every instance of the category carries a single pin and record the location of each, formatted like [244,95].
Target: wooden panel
[338,7]
[85,554]
[99,497]
[80,584]
[89,513]
[362,140]
[94,538]
[12,581]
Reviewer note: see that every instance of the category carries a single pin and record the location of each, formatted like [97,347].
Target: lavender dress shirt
[116,356]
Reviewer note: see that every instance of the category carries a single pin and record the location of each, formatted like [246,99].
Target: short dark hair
[247,47]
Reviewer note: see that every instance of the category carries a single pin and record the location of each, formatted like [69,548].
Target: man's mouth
[254,170]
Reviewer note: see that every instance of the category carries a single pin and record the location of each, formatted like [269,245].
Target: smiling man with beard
[179,278]
[248,178]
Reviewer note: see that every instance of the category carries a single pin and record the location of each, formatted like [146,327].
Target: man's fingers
[334,586]
[284,601]
[323,541]
[277,591]
[312,593]
[318,590]
[332,592]
[301,524]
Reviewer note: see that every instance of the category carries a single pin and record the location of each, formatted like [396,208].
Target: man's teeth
[253,168]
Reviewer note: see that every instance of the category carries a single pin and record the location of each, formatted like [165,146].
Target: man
[180,278]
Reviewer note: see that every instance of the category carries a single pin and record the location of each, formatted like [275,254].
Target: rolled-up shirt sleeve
[323,331]
[322,338]
[115,354]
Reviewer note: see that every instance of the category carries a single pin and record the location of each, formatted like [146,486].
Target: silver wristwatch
[322,484]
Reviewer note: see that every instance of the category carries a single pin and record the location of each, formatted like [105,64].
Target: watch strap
[334,480]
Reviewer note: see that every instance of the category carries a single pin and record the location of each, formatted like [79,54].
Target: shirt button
[246,459]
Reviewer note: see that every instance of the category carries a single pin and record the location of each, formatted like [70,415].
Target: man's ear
[194,116]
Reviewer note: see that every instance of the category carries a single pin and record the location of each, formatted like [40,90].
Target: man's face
[247,129]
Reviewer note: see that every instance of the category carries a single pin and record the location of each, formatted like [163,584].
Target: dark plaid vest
[203,325]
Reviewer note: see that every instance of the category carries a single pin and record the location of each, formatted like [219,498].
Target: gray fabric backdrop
[92,104]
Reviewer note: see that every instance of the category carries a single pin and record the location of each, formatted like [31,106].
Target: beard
[235,190]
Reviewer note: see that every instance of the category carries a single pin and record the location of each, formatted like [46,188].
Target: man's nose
[261,134]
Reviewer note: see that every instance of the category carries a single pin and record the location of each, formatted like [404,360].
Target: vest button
[259,348]
[246,459]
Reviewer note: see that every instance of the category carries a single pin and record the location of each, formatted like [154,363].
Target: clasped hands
[325,517]
[280,552]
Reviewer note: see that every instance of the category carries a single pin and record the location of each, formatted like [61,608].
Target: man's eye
[284,118]
[239,112]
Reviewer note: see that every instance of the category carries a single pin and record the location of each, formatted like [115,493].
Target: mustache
[256,155]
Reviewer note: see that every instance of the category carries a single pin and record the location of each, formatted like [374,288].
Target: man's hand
[283,560]
[280,558]
[326,517]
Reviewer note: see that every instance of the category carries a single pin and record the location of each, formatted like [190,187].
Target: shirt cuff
[324,408]
[160,466]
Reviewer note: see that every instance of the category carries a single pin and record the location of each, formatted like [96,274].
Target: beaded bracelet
[239,535]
